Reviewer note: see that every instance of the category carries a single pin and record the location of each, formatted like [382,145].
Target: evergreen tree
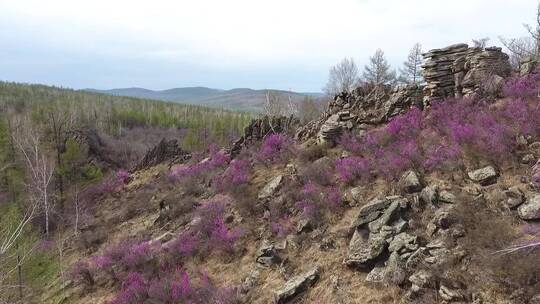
[411,73]
[378,72]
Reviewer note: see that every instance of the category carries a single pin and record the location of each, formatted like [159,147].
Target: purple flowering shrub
[236,175]
[316,199]
[275,148]
[117,183]
[193,177]
[172,288]
[211,229]
[350,169]
[523,87]
[444,136]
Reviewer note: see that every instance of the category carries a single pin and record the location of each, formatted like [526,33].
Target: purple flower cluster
[235,175]
[523,87]
[217,159]
[275,148]
[440,137]
[352,168]
[121,178]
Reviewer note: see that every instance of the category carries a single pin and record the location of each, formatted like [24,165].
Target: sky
[278,44]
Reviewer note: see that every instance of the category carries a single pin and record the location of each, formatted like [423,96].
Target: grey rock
[371,211]
[376,275]
[388,215]
[484,176]
[403,242]
[430,194]
[395,272]
[417,258]
[297,285]
[271,187]
[363,252]
[449,294]
[515,197]
[410,182]
[530,210]
[423,279]
[447,197]
[266,254]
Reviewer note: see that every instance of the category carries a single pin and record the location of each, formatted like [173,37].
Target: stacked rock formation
[363,106]
[458,70]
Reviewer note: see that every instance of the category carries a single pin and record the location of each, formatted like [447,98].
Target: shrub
[237,174]
[353,168]
[312,153]
[350,143]
[275,148]
[523,87]
[211,229]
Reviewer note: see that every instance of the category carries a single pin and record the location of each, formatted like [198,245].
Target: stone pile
[458,70]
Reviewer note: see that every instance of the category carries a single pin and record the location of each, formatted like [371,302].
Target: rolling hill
[238,99]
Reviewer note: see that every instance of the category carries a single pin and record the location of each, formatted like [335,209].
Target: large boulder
[363,252]
[531,209]
[297,285]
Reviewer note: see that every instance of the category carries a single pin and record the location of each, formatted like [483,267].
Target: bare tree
[378,71]
[343,77]
[40,171]
[273,105]
[480,43]
[524,46]
[411,73]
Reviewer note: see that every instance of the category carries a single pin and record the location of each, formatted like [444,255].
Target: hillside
[238,99]
[392,195]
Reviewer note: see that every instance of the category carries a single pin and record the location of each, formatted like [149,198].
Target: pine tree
[378,72]
[411,73]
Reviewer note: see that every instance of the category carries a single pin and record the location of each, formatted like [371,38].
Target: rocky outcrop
[259,128]
[297,285]
[164,151]
[365,105]
[458,70]
[98,150]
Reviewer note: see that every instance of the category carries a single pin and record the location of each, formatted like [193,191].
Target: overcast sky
[283,44]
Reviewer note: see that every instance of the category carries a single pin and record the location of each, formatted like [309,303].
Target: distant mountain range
[238,99]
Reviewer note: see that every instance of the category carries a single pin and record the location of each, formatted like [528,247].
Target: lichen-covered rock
[410,182]
[371,211]
[447,197]
[484,176]
[297,285]
[403,242]
[530,210]
[363,252]
[515,197]
[271,187]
